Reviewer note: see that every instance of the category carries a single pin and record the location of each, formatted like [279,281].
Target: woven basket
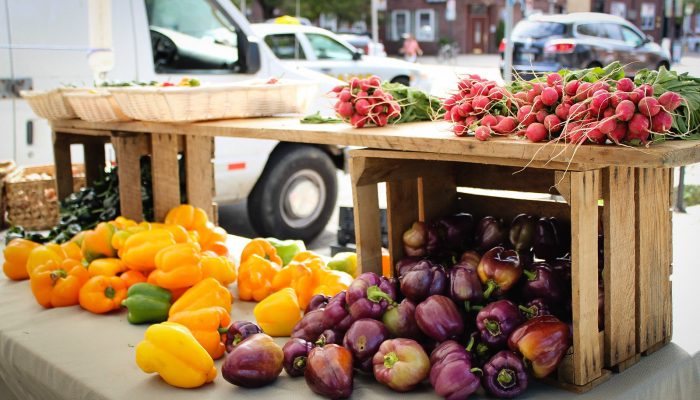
[30,196]
[96,106]
[51,104]
[6,168]
[239,100]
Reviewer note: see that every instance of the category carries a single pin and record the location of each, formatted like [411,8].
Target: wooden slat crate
[629,206]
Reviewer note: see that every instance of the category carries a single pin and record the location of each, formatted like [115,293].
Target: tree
[345,10]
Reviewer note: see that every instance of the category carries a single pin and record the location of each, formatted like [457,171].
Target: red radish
[455,115]
[636,95]
[345,109]
[649,106]
[354,83]
[609,112]
[549,96]
[460,129]
[465,109]
[505,126]
[577,134]
[464,84]
[625,110]
[537,103]
[596,136]
[552,123]
[531,94]
[583,91]
[562,111]
[448,116]
[345,95]
[480,103]
[338,88]
[600,85]
[670,101]
[617,97]
[362,106]
[638,128]
[489,120]
[394,110]
[375,81]
[606,126]
[499,118]
[661,122]
[578,111]
[554,79]
[560,90]
[496,93]
[478,90]
[647,89]
[618,133]
[381,119]
[525,115]
[358,121]
[470,120]
[364,85]
[536,132]
[625,85]
[520,132]
[541,115]
[521,98]
[572,87]
[363,93]
[599,101]
[482,133]
[449,103]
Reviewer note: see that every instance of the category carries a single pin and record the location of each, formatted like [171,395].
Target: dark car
[549,43]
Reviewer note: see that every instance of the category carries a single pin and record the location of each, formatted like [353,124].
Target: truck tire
[295,195]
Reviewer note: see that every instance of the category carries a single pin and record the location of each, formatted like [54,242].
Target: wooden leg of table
[653,257]
[437,193]
[368,236]
[62,163]
[402,211]
[94,151]
[584,274]
[128,150]
[619,271]
[166,178]
[199,172]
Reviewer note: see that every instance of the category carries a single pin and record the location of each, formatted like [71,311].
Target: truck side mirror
[356,56]
[252,57]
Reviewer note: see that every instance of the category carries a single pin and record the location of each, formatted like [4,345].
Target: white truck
[291,188]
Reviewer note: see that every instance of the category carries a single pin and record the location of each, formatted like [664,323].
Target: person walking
[410,49]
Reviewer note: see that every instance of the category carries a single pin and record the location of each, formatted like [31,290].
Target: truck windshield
[191,35]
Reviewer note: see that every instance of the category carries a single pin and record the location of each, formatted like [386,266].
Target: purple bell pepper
[535,308]
[369,295]
[400,320]
[465,285]
[238,331]
[551,239]
[439,318]
[336,315]
[310,326]
[496,321]
[295,353]
[415,239]
[317,301]
[451,372]
[504,375]
[422,280]
[542,283]
[489,233]
[363,340]
[522,232]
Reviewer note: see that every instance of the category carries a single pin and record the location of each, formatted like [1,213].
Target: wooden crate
[630,206]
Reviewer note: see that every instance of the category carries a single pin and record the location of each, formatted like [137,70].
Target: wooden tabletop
[434,137]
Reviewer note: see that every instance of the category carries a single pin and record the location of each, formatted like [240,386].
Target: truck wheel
[295,195]
[404,80]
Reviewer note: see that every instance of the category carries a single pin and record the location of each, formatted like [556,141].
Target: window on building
[619,9]
[425,25]
[648,16]
[400,24]
[285,46]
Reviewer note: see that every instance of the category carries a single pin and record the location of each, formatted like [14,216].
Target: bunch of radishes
[480,103]
[362,102]
[579,111]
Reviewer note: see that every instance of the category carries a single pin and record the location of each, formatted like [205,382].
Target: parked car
[323,51]
[290,187]
[365,44]
[548,43]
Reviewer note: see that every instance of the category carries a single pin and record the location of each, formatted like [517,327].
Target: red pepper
[499,269]
[542,341]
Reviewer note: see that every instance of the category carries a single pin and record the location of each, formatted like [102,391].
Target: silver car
[548,43]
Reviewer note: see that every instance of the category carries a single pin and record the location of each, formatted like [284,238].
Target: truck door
[7,114]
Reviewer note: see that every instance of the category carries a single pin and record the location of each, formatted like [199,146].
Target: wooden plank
[653,257]
[604,376]
[128,150]
[508,208]
[626,364]
[62,165]
[498,177]
[164,169]
[199,173]
[588,361]
[94,152]
[402,211]
[619,271]
[383,170]
[668,297]
[437,192]
[368,237]
[418,136]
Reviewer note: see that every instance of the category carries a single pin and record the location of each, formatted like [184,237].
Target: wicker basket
[96,106]
[30,196]
[239,100]
[6,168]
[51,104]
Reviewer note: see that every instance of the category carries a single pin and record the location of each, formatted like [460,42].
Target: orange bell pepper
[119,237]
[213,238]
[190,217]
[261,248]
[207,293]
[57,284]
[132,277]
[72,250]
[255,276]
[106,266]
[140,249]
[122,223]
[97,243]
[180,234]
[299,277]
[278,313]
[207,326]
[177,266]
[332,282]
[218,267]
[102,294]
[41,255]
[16,254]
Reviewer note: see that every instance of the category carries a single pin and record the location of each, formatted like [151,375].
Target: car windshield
[538,29]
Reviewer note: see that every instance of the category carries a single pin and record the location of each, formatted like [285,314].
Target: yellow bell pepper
[72,250]
[97,243]
[255,276]
[106,266]
[207,326]
[41,255]
[298,276]
[332,282]
[177,266]
[207,293]
[180,234]
[190,217]
[122,223]
[16,254]
[140,249]
[213,238]
[261,248]
[218,267]
[172,351]
[278,313]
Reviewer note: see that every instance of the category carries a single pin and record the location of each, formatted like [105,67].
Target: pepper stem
[477,371]
[222,330]
[528,311]
[529,275]
[110,292]
[491,285]
[237,338]
[375,295]
[493,327]
[470,344]
[390,359]
[58,274]
[506,378]
[321,341]
[300,362]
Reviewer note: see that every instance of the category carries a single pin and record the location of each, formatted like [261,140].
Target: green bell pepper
[147,303]
[287,249]
[344,261]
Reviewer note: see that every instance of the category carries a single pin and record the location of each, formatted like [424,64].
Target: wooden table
[634,184]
